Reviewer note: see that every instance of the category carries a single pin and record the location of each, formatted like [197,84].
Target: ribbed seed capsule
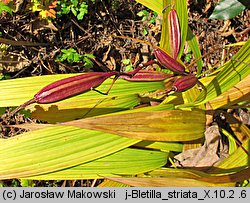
[68,87]
[174,33]
[185,82]
[71,86]
[147,76]
[168,62]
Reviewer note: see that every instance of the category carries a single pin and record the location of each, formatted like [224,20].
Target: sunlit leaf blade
[156,5]
[227,9]
[238,93]
[232,146]
[231,73]
[190,95]
[122,96]
[55,148]
[165,42]
[172,125]
[163,146]
[224,177]
[125,162]
[71,109]
[241,43]
[147,109]
[194,46]
[206,80]
[17,91]
[239,159]
[167,182]
[111,183]
[182,12]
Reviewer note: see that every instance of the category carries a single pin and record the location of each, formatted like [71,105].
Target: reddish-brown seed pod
[174,33]
[185,82]
[168,62]
[68,87]
[147,76]
[71,86]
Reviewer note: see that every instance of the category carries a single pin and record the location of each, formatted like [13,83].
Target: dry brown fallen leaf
[207,155]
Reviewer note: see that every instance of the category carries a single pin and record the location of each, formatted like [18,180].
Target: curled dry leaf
[207,155]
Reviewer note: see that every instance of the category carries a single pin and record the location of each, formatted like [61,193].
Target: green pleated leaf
[214,178]
[182,12]
[236,167]
[227,9]
[156,5]
[76,108]
[238,160]
[194,46]
[125,162]
[111,183]
[168,182]
[238,93]
[190,95]
[163,146]
[16,91]
[231,73]
[55,148]
[122,96]
[232,146]
[168,125]
[164,41]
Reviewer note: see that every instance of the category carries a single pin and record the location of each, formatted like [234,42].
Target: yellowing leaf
[169,125]
[55,148]
[125,162]
[156,5]
[167,182]
[238,93]
[166,177]
[81,107]
[123,95]
[17,91]
[232,72]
